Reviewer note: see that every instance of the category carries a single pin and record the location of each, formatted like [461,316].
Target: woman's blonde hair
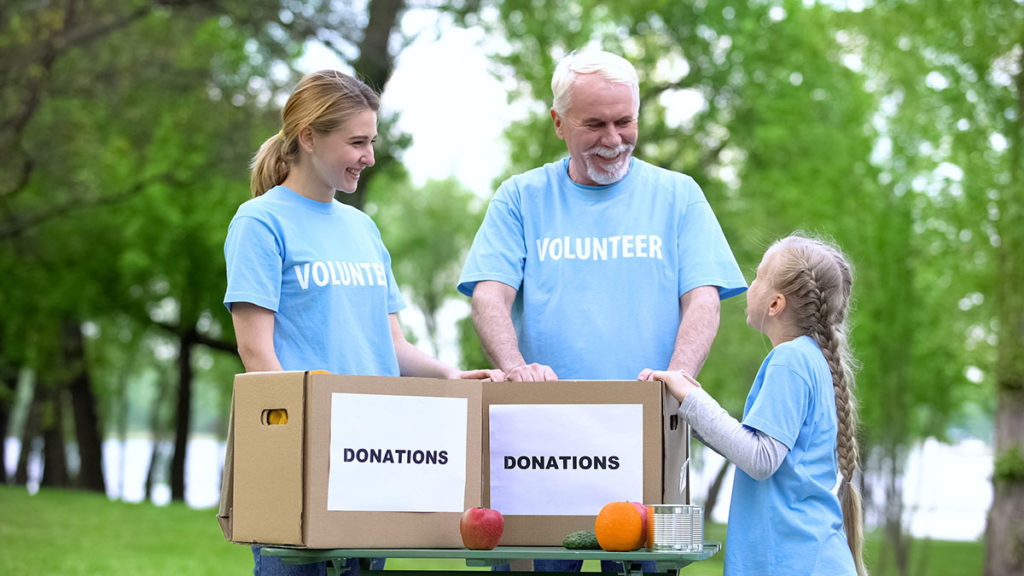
[322,100]
[816,278]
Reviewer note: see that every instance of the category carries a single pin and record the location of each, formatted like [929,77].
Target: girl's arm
[414,362]
[254,331]
[751,450]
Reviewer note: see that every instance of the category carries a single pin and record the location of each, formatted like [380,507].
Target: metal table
[667,563]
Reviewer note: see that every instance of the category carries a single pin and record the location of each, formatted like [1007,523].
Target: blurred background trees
[895,128]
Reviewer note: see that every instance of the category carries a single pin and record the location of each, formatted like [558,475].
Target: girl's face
[760,293]
[339,157]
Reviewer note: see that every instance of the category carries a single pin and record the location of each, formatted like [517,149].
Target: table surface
[665,560]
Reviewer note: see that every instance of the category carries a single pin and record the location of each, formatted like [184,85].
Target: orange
[619,527]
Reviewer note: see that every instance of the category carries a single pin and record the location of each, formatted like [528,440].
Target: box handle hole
[673,422]
[275,417]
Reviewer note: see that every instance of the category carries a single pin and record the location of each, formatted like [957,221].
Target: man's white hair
[611,67]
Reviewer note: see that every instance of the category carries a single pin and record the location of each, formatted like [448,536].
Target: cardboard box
[292,485]
[397,439]
[574,446]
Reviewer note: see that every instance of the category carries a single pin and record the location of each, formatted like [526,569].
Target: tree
[952,75]
[428,231]
[783,114]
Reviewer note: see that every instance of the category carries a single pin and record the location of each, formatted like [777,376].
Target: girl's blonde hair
[816,278]
[322,100]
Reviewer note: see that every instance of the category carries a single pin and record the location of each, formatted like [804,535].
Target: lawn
[77,533]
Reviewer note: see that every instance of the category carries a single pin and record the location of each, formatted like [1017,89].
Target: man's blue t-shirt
[324,271]
[599,270]
[792,522]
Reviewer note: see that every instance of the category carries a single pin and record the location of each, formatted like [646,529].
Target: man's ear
[777,305]
[558,124]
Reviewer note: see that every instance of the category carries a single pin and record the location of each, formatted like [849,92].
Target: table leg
[520,565]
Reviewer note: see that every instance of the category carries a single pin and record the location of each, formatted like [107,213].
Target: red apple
[481,528]
[643,519]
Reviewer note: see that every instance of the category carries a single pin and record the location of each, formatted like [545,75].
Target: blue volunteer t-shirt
[792,522]
[324,271]
[599,270]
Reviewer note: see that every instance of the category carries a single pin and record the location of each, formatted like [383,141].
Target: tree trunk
[28,436]
[5,411]
[374,66]
[714,489]
[1004,533]
[183,414]
[156,427]
[55,466]
[896,552]
[83,402]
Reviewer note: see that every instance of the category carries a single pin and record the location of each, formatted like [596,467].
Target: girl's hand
[492,375]
[679,383]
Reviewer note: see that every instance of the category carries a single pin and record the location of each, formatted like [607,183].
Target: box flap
[227,476]
[268,458]
[676,443]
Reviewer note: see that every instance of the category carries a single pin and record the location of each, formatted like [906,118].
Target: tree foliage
[798,116]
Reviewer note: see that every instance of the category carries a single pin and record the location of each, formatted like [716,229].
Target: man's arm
[254,331]
[492,318]
[698,326]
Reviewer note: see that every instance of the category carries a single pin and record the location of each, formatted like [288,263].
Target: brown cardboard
[664,451]
[276,475]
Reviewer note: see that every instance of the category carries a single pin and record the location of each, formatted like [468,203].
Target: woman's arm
[254,331]
[414,362]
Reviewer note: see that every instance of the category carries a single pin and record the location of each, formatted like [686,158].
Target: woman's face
[339,157]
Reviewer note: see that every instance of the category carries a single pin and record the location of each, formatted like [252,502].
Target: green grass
[78,533]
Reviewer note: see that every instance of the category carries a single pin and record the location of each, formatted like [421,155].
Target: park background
[893,127]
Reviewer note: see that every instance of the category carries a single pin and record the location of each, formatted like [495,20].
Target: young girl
[309,280]
[799,422]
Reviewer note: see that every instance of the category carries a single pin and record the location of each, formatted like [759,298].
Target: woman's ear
[777,305]
[306,139]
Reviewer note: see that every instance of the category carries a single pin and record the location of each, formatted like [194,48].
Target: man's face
[600,130]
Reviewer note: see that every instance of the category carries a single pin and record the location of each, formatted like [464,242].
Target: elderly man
[598,265]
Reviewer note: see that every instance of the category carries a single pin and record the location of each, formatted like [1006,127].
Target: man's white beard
[616,172]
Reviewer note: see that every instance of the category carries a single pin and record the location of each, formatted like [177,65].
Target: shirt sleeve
[781,405]
[253,255]
[751,450]
[705,258]
[499,249]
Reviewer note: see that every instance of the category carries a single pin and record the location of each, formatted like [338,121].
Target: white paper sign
[565,459]
[397,453]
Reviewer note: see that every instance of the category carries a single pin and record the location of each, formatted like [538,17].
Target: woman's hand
[679,383]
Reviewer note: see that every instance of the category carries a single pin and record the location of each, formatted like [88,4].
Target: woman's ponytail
[271,164]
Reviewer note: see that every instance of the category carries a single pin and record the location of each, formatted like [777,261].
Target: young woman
[309,280]
[797,444]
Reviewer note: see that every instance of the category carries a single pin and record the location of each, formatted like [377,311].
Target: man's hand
[531,373]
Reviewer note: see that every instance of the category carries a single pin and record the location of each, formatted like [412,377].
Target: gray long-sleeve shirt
[753,451]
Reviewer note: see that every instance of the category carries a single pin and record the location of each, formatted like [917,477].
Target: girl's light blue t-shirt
[599,270]
[324,271]
[791,523]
